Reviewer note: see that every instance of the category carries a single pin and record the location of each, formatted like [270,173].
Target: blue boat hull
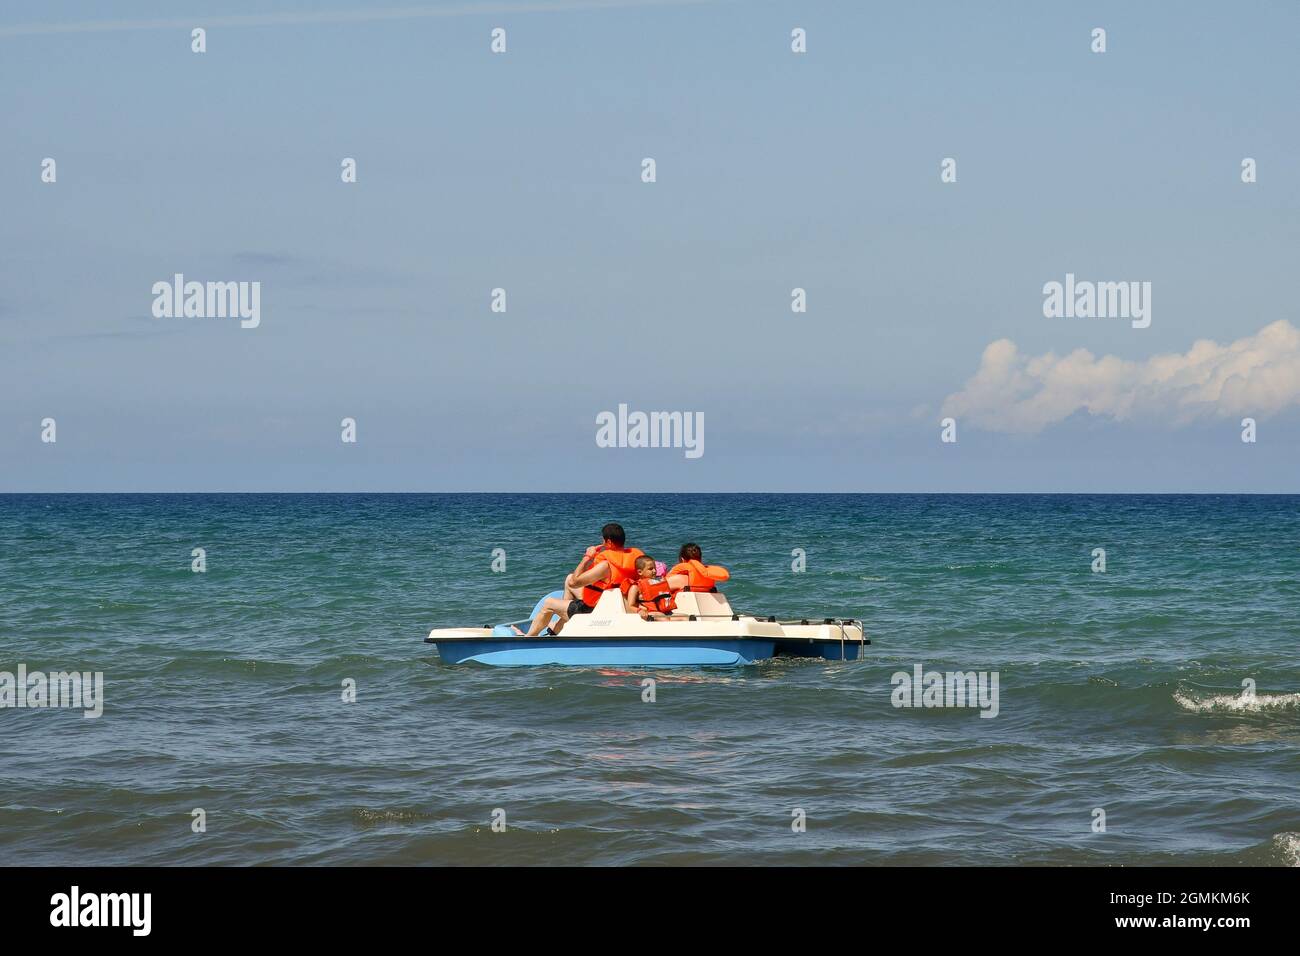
[825,650]
[532,652]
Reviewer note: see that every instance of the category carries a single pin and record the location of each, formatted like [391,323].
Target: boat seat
[703,603]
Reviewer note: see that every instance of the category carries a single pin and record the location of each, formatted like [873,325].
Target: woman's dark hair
[691,552]
[614,532]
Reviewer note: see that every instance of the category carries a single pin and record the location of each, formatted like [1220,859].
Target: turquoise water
[1119,691]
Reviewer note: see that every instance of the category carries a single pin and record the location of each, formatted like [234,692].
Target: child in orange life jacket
[701,576]
[651,595]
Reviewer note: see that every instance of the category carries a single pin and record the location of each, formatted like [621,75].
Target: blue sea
[1149,714]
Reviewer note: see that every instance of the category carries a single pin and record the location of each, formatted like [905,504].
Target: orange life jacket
[704,577]
[622,569]
[654,594]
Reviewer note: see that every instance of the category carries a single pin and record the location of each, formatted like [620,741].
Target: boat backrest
[609,605]
[703,603]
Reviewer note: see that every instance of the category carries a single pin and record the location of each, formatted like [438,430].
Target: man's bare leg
[572,592]
[551,607]
[559,607]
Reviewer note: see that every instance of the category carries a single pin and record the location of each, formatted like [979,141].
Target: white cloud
[1255,376]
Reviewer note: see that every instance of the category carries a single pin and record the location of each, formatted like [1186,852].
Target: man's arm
[572,579]
[593,574]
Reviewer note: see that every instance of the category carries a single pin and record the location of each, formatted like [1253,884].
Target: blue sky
[522,171]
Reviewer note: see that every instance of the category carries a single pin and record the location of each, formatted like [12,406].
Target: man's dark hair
[691,552]
[614,532]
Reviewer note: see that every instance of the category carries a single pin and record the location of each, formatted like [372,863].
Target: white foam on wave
[1288,844]
[1236,703]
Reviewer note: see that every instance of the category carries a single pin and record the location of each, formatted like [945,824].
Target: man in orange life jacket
[700,576]
[601,568]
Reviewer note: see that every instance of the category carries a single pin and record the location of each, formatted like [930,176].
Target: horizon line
[1010,494]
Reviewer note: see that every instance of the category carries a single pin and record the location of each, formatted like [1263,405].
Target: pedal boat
[702,632]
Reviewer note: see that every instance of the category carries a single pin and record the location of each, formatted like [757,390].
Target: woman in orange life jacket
[651,595]
[701,576]
[601,568]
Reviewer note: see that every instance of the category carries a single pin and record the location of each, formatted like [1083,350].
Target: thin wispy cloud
[1255,376]
[254,257]
[293,271]
[333,16]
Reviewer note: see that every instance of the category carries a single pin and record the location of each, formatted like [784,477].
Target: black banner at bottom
[336,905]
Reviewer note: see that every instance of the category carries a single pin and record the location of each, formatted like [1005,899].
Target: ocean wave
[1242,703]
[367,817]
[214,664]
